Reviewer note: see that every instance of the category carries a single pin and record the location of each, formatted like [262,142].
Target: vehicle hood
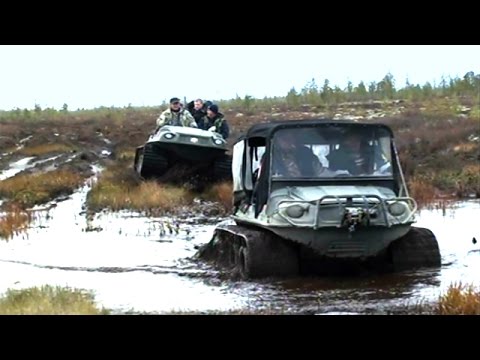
[313,193]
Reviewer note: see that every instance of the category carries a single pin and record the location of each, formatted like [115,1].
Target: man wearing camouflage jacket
[176,116]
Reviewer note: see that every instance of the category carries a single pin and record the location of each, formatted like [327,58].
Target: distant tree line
[327,94]
[311,94]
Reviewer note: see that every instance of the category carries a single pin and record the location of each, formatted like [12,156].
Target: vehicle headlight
[397,208]
[218,142]
[168,136]
[194,140]
[295,211]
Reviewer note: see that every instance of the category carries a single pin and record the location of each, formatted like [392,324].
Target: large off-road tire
[249,253]
[418,248]
[222,168]
[151,163]
[267,255]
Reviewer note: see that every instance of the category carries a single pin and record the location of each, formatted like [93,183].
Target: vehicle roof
[265,130]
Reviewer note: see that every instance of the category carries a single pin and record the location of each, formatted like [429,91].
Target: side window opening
[256,162]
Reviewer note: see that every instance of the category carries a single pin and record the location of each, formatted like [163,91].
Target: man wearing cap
[214,121]
[176,115]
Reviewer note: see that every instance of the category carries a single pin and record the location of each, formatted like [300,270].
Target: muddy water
[389,293]
[130,262]
[138,264]
[16,167]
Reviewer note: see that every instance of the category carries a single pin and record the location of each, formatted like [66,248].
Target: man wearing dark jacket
[214,121]
[198,109]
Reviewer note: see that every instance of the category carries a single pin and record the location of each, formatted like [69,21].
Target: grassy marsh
[49,300]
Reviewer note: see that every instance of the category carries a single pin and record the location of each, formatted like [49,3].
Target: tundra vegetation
[437,129]
[49,300]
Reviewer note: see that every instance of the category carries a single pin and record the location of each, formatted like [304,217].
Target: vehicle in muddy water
[353,213]
[200,151]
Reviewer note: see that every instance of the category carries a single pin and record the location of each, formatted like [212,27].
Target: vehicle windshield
[331,151]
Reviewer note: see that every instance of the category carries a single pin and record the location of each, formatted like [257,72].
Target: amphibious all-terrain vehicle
[353,211]
[199,150]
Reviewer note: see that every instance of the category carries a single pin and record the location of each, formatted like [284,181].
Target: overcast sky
[85,76]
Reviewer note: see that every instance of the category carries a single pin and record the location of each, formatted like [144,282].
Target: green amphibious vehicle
[353,211]
[197,149]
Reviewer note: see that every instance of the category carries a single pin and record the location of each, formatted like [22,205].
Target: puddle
[17,167]
[130,262]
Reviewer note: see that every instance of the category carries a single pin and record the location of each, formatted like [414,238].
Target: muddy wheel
[267,255]
[418,248]
[249,253]
[222,168]
[154,163]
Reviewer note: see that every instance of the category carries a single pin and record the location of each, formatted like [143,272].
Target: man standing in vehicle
[176,115]
[198,109]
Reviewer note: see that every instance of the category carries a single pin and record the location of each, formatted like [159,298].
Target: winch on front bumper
[350,211]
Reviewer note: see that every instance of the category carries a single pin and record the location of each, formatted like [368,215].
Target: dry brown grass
[49,300]
[222,193]
[459,300]
[422,191]
[151,194]
[428,196]
[31,189]
[44,149]
[466,182]
[13,222]
[115,192]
